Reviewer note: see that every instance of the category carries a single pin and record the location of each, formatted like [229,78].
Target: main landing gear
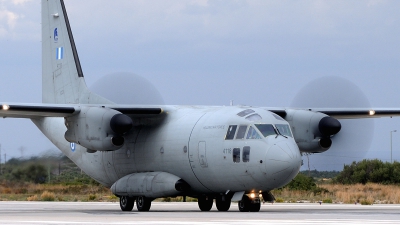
[222,202]
[126,203]
[143,204]
[205,203]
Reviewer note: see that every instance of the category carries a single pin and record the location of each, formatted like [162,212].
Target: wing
[18,110]
[347,113]
[360,113]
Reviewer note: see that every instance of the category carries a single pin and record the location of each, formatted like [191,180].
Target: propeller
[127,88]
[352,138]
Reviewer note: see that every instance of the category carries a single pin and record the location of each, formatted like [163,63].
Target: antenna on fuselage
[231,103]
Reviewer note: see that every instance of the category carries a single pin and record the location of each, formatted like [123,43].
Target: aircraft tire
[143,204]
[255,207]
[205,203]
[126,203]
[223,204]
[244,204]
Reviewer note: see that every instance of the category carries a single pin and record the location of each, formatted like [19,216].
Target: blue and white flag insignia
[60,53]
[56,35]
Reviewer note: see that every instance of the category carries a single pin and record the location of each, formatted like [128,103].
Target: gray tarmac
[178,213]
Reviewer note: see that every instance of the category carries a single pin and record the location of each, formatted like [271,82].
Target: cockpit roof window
[254,117]
[266,129]
[277,117]
[245,112]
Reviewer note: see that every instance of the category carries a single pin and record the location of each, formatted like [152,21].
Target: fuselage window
[266,129]
[241,132]
[252,134]
[284,129]
[246,154]
[236,155]
[230,134]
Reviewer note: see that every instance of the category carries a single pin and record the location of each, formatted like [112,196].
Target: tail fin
[62,74]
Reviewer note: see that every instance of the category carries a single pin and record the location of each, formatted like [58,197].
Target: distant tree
[374,171]
[302,182]
[30,173]
[36,169]
[320,174]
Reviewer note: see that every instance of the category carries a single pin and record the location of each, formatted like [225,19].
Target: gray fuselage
[191,143]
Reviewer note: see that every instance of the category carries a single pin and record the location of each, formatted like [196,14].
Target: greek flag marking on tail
[60,53]
[56,35]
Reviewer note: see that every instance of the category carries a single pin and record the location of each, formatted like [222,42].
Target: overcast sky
[200,52]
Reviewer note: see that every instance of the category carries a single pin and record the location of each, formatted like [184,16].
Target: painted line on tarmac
[213,222]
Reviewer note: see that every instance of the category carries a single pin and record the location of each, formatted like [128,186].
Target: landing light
[371,112]
[6,107]
[252,195]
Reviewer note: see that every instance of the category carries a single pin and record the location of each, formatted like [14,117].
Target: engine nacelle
[312,130]
[98,128]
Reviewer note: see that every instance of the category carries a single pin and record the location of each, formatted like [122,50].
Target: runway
[181,213]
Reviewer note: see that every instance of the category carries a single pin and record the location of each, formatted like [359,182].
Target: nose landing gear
[249,205]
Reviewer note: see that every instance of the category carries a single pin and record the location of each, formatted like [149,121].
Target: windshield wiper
[279,133]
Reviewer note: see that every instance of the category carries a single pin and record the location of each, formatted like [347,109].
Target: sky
[201,52]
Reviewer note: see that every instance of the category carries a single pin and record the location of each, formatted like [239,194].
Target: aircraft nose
[283,161]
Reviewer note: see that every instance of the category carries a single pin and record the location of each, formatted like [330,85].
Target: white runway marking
[179,213]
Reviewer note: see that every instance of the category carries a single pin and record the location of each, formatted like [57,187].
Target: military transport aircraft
[226,153]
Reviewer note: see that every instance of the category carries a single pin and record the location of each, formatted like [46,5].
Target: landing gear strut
[205,203]
[143,204]
[126,203]
[249,205]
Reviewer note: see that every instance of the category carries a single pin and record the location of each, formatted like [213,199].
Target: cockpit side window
[246,154]
[230,134]
[266,129]
[241,132]
[236,155]
[284,129]
[252,134]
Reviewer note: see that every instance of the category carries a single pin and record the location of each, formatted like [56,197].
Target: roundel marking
[73,146]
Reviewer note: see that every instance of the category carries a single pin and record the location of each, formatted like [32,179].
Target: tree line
[57,169]
[60,169]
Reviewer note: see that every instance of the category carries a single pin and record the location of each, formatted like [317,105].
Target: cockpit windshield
[284,129]
[266,129]
[252,134]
